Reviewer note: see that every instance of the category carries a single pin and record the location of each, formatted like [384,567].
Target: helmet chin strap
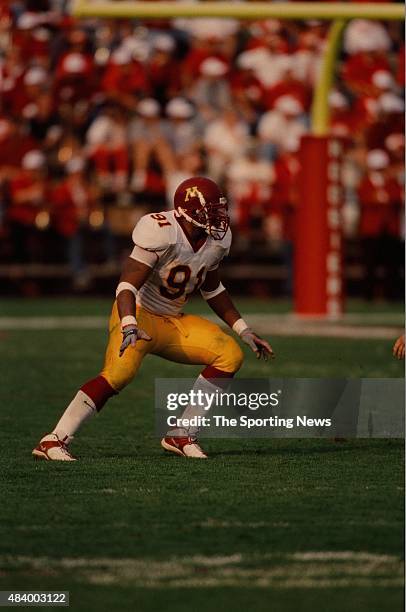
[182,212]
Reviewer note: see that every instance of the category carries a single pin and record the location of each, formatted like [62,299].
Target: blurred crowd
[103,118]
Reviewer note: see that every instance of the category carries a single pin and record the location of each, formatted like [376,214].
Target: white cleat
[51,448]
[184,446]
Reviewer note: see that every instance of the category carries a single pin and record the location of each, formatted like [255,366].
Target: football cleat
[51,448]
[200,201]
[185,447]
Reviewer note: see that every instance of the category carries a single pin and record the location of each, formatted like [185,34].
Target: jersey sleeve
[154,233]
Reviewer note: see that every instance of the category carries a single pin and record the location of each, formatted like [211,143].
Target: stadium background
[288,524]
[100,119]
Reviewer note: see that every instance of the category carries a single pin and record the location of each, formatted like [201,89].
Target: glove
[260,347]
[131,333]
[399,348]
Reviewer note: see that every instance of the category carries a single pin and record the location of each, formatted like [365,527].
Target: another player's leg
[92,396]
[194,340]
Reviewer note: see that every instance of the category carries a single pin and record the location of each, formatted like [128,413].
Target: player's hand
[131,333]
[399,348]
[261,347]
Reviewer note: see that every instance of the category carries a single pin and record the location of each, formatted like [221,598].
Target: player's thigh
[197,341]
[119,371]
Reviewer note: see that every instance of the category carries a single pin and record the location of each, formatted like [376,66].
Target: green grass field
[281,525]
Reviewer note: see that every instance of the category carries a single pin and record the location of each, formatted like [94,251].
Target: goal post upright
[318,286]
[318,254]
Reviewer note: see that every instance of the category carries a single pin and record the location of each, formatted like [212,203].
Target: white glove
[131,333]
[260,347]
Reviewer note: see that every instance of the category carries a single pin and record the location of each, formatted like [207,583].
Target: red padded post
[318,267]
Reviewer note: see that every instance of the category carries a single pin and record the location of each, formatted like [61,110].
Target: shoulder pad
[155,232]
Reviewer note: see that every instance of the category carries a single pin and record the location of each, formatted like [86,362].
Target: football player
[175,253]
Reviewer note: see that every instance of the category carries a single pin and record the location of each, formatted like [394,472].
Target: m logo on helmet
[192,192]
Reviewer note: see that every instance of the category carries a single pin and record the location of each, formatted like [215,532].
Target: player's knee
[237,356]
[117,379]
[231,356]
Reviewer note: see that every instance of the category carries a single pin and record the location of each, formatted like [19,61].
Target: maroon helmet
[200,201]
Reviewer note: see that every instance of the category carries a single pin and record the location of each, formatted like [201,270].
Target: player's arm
[151,238]
[399,348]
[134,275]
[218,298]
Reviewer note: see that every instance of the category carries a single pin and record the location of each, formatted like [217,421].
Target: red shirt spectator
[163,69]
[380,197]
[13,147]
[358,70]
[285,194]
[28,190]
[250,182]
[74,77]
[197,54]
[289,86]
[244,84]
[72,200]
[124,80]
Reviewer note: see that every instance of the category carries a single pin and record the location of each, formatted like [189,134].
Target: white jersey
[179,270]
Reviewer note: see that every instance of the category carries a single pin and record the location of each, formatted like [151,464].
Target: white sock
[81,408]
[191,411]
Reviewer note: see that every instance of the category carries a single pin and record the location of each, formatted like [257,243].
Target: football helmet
[200,201]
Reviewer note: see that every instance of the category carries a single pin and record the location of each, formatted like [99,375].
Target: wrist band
[126,287]
[239,326]
[128,320]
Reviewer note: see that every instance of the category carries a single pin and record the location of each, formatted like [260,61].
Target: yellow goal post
[338,12]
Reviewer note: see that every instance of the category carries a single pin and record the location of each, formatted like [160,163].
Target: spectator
[245,85]
[250,183]
[389,120]
[74,214]
[32,86]
[362,36]
[125,79]
[211,91]
[41,116]
[306,59]
[367,43]
[27,213]
[284,124]
[380,198]
[268,68]
[209,37]
[14,144]
[224,138]
[342,117]
[181,130]
[290,86]
[163,69]
[107,148]
[152,155]
[74,74]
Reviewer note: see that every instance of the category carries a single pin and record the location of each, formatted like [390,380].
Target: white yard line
[314,569]
[39,323]
[276,325]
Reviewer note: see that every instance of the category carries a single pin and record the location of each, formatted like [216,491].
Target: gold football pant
[184,339]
